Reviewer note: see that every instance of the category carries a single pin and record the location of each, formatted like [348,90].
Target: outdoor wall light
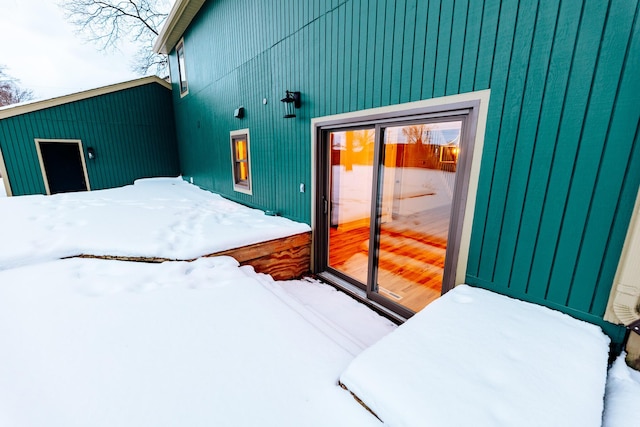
[291,101]
[91,153]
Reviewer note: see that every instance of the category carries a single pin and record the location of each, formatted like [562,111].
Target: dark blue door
[63,166]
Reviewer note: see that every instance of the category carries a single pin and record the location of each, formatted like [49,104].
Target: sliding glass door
[416,183]
[389,199]
[350,191]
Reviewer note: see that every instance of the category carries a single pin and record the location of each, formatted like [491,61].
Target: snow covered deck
[476,358]
[110,343]
[155,220]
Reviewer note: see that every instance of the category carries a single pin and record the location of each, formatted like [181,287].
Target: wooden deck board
[284,259]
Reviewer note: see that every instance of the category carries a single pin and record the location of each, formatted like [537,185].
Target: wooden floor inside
[410,258]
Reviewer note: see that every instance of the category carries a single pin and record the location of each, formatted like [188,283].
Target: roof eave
[36,105]
[181,15]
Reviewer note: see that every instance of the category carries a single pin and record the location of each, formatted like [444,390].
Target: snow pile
[159,217]
[622,401]
[475,358]
[108,343]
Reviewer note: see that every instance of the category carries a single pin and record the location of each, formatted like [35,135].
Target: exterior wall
[561,163]
[132,132]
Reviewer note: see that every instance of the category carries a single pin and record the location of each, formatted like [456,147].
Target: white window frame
[182,69]
[241,186]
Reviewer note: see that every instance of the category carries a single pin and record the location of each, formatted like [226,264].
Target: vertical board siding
[527,135]
[600,101]
[508,128]
[560,163]
[616,183]
[132,132]
[430,48]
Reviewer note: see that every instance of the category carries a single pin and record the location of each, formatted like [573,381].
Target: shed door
[63,166]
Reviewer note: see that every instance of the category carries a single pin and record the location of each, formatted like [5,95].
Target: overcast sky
[40,48]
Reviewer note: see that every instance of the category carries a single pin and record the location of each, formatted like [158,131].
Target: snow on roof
[158,217]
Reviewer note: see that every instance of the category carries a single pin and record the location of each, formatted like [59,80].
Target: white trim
[181,15]
[182,71]
[5,175]
[62,141]
[474,179]
[31,106]
[236,187]
[474,173]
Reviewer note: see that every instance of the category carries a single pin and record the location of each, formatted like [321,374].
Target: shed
[96,139]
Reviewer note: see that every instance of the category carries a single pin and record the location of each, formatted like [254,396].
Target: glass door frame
[467,112]
[372,287]
[324,223]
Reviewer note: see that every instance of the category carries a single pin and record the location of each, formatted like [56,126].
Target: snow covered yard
[622,403]
[111,343]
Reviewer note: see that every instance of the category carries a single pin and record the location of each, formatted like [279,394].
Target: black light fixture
[91,153]
[291,101]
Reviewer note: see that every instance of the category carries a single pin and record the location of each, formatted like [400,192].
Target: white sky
[42,50]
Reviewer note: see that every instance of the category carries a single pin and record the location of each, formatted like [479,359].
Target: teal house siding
[561,162]
[561,169]
[131,130]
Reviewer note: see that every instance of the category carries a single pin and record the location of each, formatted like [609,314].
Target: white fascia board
[31,106]
[181,15]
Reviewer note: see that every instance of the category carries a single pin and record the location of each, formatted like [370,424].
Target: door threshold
[360,295]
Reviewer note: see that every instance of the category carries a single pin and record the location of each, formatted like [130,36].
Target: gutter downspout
[624,300]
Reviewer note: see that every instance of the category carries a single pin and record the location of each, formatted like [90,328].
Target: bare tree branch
[415,134]
[10,90]
[111,23]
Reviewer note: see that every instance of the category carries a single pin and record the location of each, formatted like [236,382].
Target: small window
[182,75]
[241,161]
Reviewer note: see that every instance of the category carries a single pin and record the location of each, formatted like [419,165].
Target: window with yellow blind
[241,161]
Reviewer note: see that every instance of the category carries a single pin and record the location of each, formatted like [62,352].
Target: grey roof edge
[181,15]
[31,106]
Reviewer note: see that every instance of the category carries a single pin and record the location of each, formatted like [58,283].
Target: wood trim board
[284,259]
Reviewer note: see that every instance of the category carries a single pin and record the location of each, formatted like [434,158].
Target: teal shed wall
[561,162]
[131,130]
